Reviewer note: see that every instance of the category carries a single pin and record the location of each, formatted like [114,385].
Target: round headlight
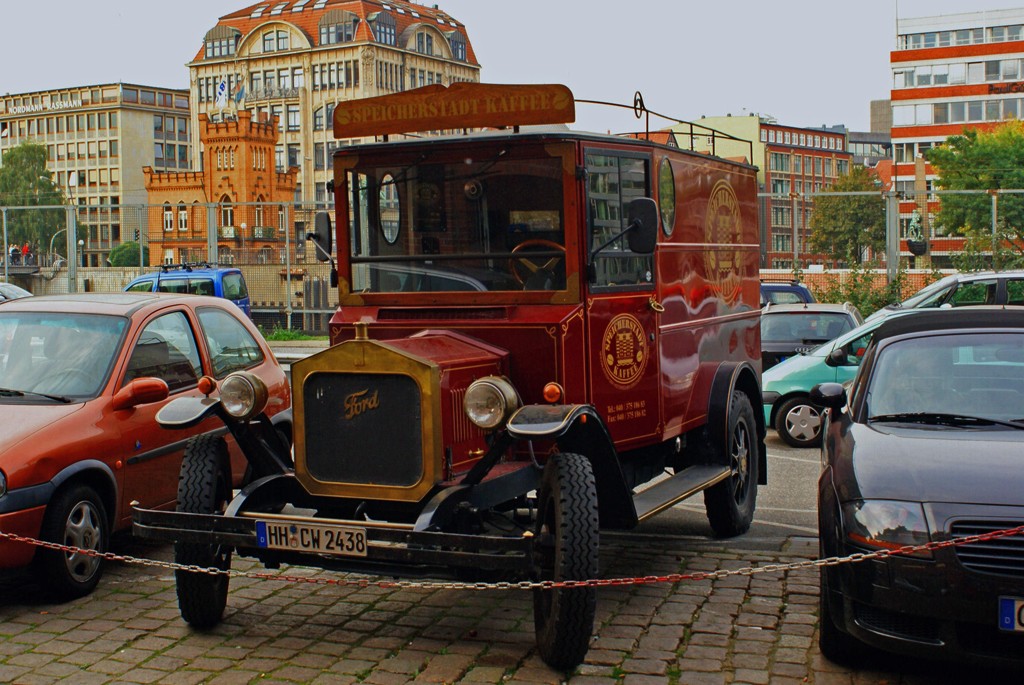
[490,401]
[243,395]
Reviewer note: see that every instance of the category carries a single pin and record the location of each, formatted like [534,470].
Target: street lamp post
[81,251]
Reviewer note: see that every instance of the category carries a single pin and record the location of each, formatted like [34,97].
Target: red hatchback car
[81,380]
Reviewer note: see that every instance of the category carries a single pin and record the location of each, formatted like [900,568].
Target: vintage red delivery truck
[541,334]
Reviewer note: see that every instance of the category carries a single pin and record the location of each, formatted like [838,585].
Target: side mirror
[322,236]
[140,391]
[836,357]
[642,225]
[829,395]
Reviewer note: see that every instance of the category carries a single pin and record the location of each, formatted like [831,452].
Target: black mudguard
[579,428]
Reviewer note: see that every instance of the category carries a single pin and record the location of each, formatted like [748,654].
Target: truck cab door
[622,325]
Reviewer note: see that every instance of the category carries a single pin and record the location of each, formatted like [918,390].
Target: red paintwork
[706,278]
[39,441]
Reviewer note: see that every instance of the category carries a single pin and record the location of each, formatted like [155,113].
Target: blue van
[196,279]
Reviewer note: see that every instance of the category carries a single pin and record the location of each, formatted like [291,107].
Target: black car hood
[934,464]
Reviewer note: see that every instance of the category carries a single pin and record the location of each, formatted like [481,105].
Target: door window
[232,347]
[166,349]
[612,182]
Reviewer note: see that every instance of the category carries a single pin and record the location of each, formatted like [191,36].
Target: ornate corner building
[292,61]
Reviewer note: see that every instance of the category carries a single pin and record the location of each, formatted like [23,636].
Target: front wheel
[566,548]
[204,487]
[730,503]
[76,518]
[798,422]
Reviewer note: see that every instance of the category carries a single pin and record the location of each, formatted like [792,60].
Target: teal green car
[786,386]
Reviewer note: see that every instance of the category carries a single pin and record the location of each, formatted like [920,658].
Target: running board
[670,491]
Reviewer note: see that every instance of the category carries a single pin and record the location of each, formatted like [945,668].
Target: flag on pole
[239,92]
[222,93]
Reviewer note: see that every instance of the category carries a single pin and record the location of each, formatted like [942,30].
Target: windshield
[804,326]
[929,292]
[488,218]
[964,374]
[57,353]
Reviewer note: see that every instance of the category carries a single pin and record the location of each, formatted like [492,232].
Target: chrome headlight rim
[243,395]
[490,401]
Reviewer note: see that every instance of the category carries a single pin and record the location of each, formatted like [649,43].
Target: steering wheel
[65,378]
[530,265]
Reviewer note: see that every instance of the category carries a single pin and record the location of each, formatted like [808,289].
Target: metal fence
[75,247]
[101,248]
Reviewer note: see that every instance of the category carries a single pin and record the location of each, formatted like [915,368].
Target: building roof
[305,15]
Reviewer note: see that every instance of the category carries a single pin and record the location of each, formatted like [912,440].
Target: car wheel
[75,517]
[730,504]
[566,548]
[204,487]
[798,422]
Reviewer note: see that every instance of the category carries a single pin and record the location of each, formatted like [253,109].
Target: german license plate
[1011,614]
[304,537]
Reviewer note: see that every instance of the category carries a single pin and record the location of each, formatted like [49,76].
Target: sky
[803,62]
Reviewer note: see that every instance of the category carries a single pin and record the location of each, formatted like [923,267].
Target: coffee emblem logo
[624,351]
[723,234]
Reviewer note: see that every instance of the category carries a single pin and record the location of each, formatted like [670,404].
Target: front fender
[579,428]
[185,412]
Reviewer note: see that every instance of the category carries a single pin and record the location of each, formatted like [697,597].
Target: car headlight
[3,484]
[243,395]
[886,524]
[490,401]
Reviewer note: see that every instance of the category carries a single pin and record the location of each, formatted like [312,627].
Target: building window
[227,212]
[458,44]
[168,217]
[342,32]
[276,41]
[424,43]
[293,118]
[182,217]
[384,29]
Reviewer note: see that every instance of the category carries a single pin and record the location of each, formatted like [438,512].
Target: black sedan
[927,447]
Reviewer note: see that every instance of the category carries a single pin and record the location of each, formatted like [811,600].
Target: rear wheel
[204,487]
[730,503]
[798,422]
[566,548]
[76,518]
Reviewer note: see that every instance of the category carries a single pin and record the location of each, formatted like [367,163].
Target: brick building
[240,179]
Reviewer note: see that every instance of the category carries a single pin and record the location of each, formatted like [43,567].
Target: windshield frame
[488,151]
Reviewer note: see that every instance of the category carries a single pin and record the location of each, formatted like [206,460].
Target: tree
[844,226]
[25,182]
[983,161]
[127,254]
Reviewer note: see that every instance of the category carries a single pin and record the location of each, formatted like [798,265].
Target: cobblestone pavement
[739,629]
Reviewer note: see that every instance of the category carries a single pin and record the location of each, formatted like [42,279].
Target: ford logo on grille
[360,402]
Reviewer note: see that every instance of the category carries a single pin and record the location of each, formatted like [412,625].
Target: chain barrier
[526,584]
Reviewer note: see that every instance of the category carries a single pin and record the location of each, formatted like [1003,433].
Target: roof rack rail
[187,266]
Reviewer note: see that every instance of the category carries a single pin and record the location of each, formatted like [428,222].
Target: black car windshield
[961,379]
[804,326]
[59,354]
[491,219]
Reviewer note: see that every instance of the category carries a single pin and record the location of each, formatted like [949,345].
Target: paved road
[738,629]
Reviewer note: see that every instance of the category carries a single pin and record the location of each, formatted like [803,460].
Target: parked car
[785,292]
[9,291]
[967,289]
[196,279]
[789,329]
[927,447]
[81,380]
[786,387]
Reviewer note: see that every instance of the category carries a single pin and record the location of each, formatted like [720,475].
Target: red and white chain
[526,584]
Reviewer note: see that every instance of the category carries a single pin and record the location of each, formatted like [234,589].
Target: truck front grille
[363,429]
